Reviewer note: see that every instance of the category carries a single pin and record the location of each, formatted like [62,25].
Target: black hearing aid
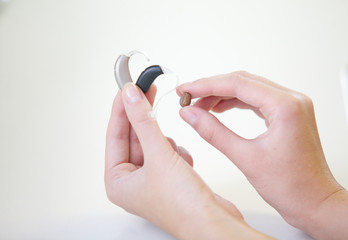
[148,76]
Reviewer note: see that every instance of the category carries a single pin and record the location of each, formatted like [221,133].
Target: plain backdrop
[57,87]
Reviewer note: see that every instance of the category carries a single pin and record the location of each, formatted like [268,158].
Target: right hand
[286,164]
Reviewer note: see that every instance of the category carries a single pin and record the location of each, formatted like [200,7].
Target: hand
[147,175]
[286,164]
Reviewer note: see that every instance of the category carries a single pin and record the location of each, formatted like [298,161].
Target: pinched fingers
[222,104]
[259,93]
[228,104]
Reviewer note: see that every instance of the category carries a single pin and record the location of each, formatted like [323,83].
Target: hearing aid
[185,99]
[145,79]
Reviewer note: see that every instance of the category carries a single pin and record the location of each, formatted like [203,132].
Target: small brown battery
[185,99]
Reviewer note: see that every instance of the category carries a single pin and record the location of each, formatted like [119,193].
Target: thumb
[214,132]
[138,111]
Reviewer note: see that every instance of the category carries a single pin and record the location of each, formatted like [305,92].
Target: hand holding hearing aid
[148,175]
[286,164]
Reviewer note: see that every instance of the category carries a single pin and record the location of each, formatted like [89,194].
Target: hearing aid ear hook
[146,78]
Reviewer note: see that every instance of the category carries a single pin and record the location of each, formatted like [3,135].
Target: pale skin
[148,175]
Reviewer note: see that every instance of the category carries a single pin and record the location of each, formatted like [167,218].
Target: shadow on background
[127,226]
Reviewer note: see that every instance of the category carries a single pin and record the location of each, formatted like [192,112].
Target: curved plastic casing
[148,76]
[121,69]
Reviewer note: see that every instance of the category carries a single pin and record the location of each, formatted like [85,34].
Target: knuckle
[242,73]
[236,75]
[116,137]
[296,104]
[121,136]
[211,135]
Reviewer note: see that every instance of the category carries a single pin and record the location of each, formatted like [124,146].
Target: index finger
[254,92]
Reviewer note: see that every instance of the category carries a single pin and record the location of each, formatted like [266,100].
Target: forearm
[330,221]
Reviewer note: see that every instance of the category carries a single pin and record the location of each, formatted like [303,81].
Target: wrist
[212,221]
[305,203]
[330,220]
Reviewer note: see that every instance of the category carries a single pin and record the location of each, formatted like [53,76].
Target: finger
[173,144]
[117,135]
[208,103]
[225,105]
[151,94]
[229,207]
[262,79]
[213,131]
[138,111]
[135,152]
[185,155]
[220,104]
[251,77]
[255,93]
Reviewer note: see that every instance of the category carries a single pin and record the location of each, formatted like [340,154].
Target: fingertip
[189,115]
[131,93]
[182,88]
[178,91]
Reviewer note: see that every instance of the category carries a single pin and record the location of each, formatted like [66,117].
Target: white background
[57,86]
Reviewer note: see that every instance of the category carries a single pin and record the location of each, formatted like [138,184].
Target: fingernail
[188,115]
[132,93]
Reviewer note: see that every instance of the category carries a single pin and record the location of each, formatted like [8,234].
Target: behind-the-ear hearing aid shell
[121,68]
[122,74]
[146,78]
